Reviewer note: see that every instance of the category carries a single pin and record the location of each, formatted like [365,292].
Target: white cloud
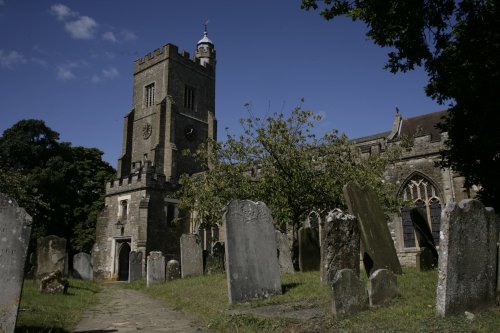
[128,35]
[65,71]
[106,74]
[2,2]
[11,59]
[62,12]
[109,36]
[83,28]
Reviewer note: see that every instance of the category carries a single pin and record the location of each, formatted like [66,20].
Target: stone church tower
[173,109]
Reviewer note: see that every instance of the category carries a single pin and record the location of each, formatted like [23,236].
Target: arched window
[420,190]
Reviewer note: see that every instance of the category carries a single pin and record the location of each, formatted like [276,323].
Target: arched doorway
[123,262]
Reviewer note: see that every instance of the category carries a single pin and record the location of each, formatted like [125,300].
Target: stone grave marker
[423,232]
[173,270]
[379,250]
[348,294]
[340,245]
[82,266]
[15,230]
[425,260]
[309,249]
[252,264]
[135,266]
[382,287]
[51,255]
[54,283]
[191,255]
[467,258]
[155,268]
[284,255]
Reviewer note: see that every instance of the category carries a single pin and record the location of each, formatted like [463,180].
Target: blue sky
[70,63]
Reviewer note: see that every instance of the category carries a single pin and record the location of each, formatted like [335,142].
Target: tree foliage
[458,43]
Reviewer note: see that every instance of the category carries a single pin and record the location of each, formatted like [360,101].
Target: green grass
[205,298]
[54,313]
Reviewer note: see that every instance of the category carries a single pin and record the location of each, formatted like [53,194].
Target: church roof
[423,125]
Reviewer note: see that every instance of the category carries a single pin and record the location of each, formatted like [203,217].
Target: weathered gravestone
[51,255]
[173,270]
[155,268]
[82,266]
[309,249]
[379,251]
[15,230]
[134,266]
[54,283]
[348,294]
[382,287]
[340,245]
[252,264]
[467,258]
[191,256]
[284,255]
[423,232]
[425,260]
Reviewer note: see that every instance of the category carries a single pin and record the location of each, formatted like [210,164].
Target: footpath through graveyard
[125,310]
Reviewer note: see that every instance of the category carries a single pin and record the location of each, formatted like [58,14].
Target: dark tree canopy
[458,43]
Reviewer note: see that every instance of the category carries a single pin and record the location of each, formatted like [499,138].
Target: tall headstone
[382,287]
[340,245]
[51,255]
[252,264]
[155,268]
[15,230]
[467,258]
[191,255]
[135,266]
[284,255]
[379,250]
[309,249]
[173,270]
[348,294]
[82,266]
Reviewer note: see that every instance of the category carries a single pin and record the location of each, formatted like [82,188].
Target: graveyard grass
[205,299]
[54,313]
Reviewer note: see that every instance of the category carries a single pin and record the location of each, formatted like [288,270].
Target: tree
[457,42]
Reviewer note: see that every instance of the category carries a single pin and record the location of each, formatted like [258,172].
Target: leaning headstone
[379,250]
[82,266]
[284,255]
[54,283]
[135,266]
[191,256]
[348,294]
[382,287]
[155,268]
[423,232]
[173,270]
[252,264]
[309,250]
[15,230]
[467,258]
[425,260]
[340,245]
[51,255]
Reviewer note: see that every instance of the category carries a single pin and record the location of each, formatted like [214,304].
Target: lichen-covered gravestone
[284,256]
[155,268]
[173,270]
[135,266]
[379,250]
[348,294]
[50,255]
[309,249]
[382,287]
[339,245]
[82,266]
[467,258]
[252,265]
[191,255]
[15,230]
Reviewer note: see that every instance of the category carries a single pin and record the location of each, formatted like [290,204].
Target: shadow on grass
[34,329]
[92,290]
[288,286]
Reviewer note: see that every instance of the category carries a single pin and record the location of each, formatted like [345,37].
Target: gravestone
[340,245]
[252,264]
[51,255]
[135,266]
[82,266]
[379,250]
[155,268]
[218,258]
[173,270]
[348,294]
[467,258]
[309,250]
[382,287]
[191,256]
[284,255]
[423,232]
[54,283]
[15,230]
[425,260]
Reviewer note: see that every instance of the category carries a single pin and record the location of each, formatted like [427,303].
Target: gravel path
[124,310]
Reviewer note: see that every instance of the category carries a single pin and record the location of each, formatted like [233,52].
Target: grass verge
[54,313]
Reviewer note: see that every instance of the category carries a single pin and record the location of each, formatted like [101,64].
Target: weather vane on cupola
[206,26]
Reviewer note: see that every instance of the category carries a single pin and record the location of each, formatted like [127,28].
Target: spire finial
[206,26]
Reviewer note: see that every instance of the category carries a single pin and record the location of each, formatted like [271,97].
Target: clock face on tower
[189,132]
